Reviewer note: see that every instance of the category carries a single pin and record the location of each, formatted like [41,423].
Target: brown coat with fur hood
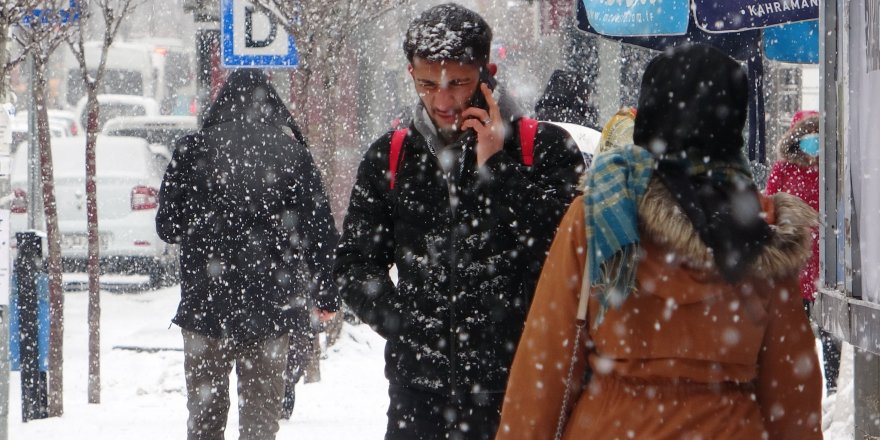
[687,355]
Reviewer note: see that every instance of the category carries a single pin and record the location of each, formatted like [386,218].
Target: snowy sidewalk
[143,392]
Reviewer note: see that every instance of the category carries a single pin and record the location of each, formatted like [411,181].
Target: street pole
[206,15]
[4,372]
[5,312]
[207,41]
[34,191]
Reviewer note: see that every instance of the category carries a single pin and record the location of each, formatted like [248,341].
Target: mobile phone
[478,100]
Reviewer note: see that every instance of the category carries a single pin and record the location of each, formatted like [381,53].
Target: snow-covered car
[129,173]
[62,123]
[157,130]
[114,106]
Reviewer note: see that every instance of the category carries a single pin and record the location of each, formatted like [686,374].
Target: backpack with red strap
[527,129]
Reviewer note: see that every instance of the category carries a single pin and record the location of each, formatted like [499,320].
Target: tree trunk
[4,57]
[94,318]
[53,238]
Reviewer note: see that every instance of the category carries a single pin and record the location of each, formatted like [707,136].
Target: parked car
[62,123]
[157,130]
[114,106]
[129,173]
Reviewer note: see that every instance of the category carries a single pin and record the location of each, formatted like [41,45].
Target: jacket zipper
[452,191]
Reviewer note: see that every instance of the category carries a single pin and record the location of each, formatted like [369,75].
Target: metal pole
[757,134]
[34,193]
[4,372]
[207,38]
[828,102]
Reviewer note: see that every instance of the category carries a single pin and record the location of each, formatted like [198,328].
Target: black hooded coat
[244,200]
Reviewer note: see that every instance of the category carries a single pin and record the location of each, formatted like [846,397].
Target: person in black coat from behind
[244,200]
[568,98]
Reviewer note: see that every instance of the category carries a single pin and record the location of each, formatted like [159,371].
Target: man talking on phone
[465,202]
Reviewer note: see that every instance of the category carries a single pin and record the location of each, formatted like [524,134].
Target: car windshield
[113,110]
[128,82]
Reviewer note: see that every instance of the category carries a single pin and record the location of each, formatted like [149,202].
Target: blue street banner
[637,18]
[48,16]
[736,15]
[793,43]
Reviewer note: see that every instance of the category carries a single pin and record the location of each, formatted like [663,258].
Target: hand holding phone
[484,118]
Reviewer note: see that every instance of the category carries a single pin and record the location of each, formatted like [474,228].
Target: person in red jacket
[796,172]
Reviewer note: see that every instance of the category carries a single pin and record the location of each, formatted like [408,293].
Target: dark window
[114,110]
[115,81]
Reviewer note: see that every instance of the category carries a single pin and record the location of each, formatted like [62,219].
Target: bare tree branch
[11,14]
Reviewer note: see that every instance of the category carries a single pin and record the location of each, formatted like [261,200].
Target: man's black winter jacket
[468,255]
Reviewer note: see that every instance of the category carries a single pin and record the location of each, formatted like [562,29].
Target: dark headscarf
[567,99]
[248,95]
[692,111]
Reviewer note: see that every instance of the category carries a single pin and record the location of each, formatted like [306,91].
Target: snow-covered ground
[143,395]
[143,392]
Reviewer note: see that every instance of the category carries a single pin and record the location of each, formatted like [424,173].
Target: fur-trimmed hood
[662,221]
[788,150]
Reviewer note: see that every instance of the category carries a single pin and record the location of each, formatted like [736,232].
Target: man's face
[445,88]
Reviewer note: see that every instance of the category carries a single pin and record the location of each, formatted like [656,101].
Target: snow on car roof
[115,155]
[189,122]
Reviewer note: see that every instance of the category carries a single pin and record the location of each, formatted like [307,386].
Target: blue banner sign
[736,15]
[634,18]
[793,43]
[47,16]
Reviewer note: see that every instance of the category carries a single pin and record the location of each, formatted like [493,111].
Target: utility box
[42,324]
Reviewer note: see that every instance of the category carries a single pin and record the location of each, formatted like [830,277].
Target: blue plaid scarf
[616,183]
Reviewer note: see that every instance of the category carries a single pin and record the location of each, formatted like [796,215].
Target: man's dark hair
[449,32]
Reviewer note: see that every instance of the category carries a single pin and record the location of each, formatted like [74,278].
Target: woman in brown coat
[694,326]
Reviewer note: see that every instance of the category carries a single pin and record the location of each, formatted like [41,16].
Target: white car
[157,130]
[129,173]
[114,106]
[62,123]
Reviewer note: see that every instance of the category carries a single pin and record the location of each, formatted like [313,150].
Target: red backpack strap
[394,154]
[527,129]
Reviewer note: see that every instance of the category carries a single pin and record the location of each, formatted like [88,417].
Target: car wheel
[161,274]
[157,276]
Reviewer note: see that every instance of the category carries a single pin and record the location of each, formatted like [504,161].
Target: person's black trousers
[415,414]
[830,354]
